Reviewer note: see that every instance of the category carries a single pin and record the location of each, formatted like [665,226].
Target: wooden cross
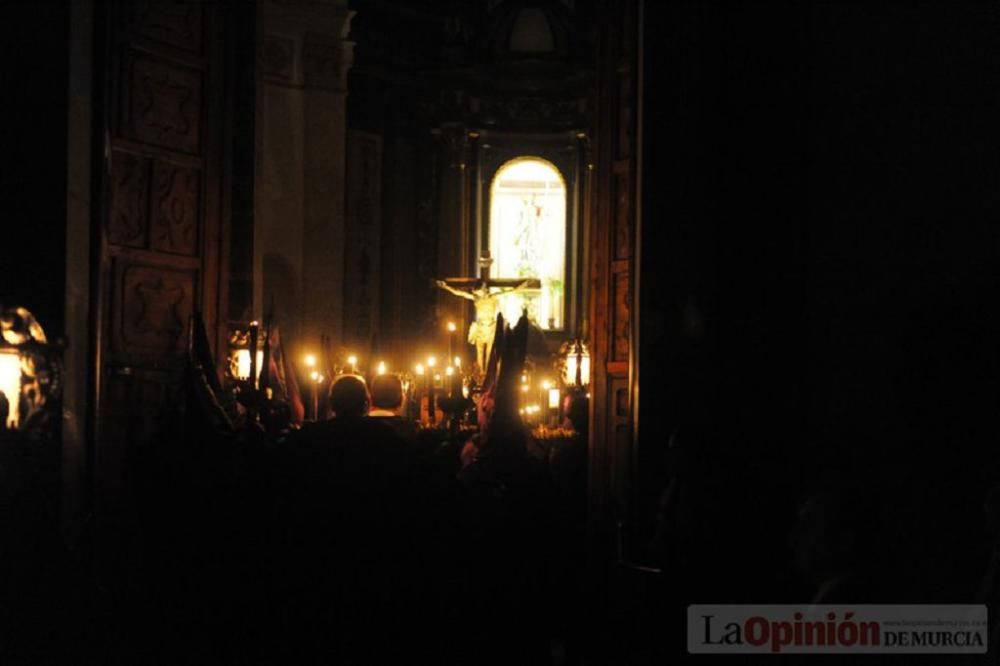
[484,292]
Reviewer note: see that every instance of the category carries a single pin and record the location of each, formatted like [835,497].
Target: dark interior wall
[34,69]
[242,50]
[820,196]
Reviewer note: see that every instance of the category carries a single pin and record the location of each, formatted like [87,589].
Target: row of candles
[538,404]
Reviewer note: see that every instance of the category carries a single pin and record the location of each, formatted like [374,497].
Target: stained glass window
[528,237]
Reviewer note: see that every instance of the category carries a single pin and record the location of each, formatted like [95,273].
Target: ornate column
[303,59]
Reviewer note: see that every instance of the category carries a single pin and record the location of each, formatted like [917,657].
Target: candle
[450,371]
[352,361]
[317,380]
[381,368]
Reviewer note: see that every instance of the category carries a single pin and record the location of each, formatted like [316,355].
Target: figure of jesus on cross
[484,292]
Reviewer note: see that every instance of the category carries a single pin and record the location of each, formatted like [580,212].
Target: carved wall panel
[164,108]
[621,402]
[128,218]
[174,22]
[153,308]
[165,182]
[626,114]
[621,299]
[176,209]
[623,212]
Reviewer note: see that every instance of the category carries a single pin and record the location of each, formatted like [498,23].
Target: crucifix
[484,292]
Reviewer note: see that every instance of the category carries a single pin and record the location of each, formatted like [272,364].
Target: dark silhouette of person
[387,404]
[4,411]
[350,505]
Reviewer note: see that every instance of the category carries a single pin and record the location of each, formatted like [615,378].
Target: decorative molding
[276,58]
[626,116]
[515,112]
[308,5]
[623,213]
[308,51]
[621,402]
[128,218]
[620,293]
[176,209]
[325,61]
[174,22]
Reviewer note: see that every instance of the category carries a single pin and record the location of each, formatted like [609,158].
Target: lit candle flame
[420,369]
[381,367]
[352,360]
[310,360]
[431,361]
[451,327]
[458,361]
[449,371]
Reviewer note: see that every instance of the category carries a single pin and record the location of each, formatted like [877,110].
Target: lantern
[577,364]
[30,374]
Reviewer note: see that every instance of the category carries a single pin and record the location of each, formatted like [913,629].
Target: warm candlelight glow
[314,376]
[449,371]
[524,388]
[352,360]
[431,361]
[451,327]
[571,358]
[10,384]
[553,398]
[310,360]
[546,385]
[381,368]
[524,379]
[458,361]
[243,363]
[420,369]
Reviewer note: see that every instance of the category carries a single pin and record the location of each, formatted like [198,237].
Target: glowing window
[528,237]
